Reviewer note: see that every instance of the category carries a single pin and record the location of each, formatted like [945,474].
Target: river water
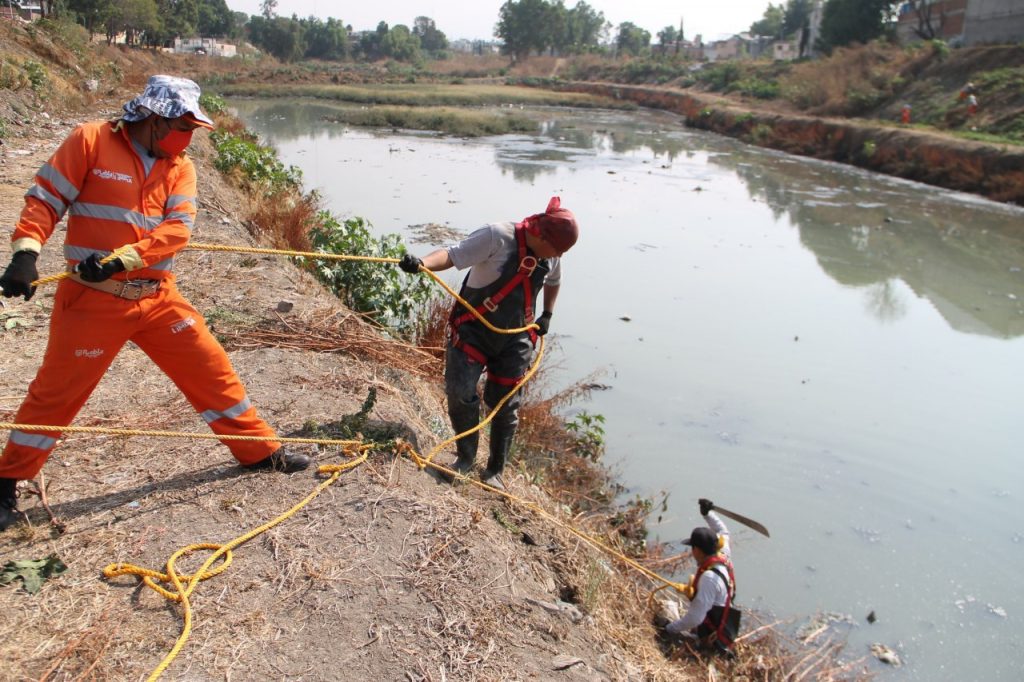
[836,354]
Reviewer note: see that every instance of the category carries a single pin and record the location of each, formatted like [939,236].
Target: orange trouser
[87,329]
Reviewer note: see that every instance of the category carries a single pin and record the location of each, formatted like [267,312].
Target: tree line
[524,27]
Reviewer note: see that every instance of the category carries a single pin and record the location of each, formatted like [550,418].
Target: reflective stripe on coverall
[88,327]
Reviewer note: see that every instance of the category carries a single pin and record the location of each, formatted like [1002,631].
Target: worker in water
[711,618]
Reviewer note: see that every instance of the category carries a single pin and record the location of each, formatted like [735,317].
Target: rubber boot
[501,443]
[8,503]
[464,417]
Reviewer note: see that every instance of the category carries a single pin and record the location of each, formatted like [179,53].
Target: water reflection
[965,261]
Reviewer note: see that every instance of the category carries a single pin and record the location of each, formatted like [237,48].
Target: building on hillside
[785,50]
[207,46]
[28,11]
[994,21]
[962,22]
[930,19]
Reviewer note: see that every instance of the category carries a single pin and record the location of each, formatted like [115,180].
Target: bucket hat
[170,97]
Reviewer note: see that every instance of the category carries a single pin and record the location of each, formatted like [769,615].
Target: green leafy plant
[36,74]
[381,290]
[257,163]
[213,104]
[588,434]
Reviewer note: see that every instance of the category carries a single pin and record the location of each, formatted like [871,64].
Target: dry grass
[282,219]
[335,331]
[850,81]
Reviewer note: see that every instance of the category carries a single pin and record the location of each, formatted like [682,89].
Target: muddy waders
[507,303]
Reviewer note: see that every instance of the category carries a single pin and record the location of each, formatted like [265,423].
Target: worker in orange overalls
[905,114]
[129,190]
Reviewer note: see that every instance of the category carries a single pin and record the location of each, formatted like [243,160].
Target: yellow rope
[185,584]
[315,255]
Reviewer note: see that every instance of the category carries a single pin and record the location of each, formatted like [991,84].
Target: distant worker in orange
[905,114]
[966,91]
[972,105]
[128,190]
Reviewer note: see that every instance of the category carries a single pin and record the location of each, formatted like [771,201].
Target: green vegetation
[213,104]
[432,94]
[257,164]
[380,290]
[446,120]
[588,435]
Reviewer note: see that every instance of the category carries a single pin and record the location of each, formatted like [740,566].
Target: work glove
[705,506]
[410,263]
[91,270]
[543,322]
[19,275]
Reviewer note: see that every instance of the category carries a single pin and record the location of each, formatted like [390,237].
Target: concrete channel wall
[996,172]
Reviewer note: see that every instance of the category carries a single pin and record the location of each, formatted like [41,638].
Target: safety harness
[527,264]
[720,629]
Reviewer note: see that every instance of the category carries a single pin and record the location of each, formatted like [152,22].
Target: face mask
[174,142]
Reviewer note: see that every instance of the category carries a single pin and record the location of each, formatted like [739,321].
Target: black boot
[282,460]
[8,503]
[501,443]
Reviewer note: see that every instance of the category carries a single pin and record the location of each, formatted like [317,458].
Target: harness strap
[476,355]
[527,264]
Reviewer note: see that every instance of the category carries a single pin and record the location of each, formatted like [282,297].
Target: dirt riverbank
[993,171]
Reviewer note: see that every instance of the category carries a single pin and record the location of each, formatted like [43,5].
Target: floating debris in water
[871,617]
[434,233]
[872,536]
[886,655]
[625,318]
[996,610]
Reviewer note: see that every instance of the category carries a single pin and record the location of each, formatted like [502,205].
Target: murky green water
[836,354]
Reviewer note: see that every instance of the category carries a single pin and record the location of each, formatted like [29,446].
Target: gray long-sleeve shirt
[712,590]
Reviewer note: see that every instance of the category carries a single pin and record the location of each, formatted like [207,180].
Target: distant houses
[204,46]
[962,22]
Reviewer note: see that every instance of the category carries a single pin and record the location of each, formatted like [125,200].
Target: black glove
[19,275]
[410,263]
[705,506]
[543,322]
[90,269]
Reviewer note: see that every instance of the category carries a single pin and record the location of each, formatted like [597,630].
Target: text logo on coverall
[91,354]
[183,325]
[111,175]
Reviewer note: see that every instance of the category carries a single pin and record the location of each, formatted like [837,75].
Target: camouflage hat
[170,97]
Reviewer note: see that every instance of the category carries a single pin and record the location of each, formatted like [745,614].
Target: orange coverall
[97,178]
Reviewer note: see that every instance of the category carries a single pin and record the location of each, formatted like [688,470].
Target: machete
[749,523]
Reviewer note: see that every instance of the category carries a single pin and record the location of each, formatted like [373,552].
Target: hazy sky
[476,18]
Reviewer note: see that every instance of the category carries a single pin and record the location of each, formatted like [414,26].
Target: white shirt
[712,589]
[488,249]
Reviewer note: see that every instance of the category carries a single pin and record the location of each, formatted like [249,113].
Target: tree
[131,17]
[852,21]
[89,13]
[327,41]
[280,37]
[401,44]
[668,36]
[213,18]
[431,39]
[797,16]
[584,28]
[930,20]
[523,27]
[771,23]
[268,8]
[632,39]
